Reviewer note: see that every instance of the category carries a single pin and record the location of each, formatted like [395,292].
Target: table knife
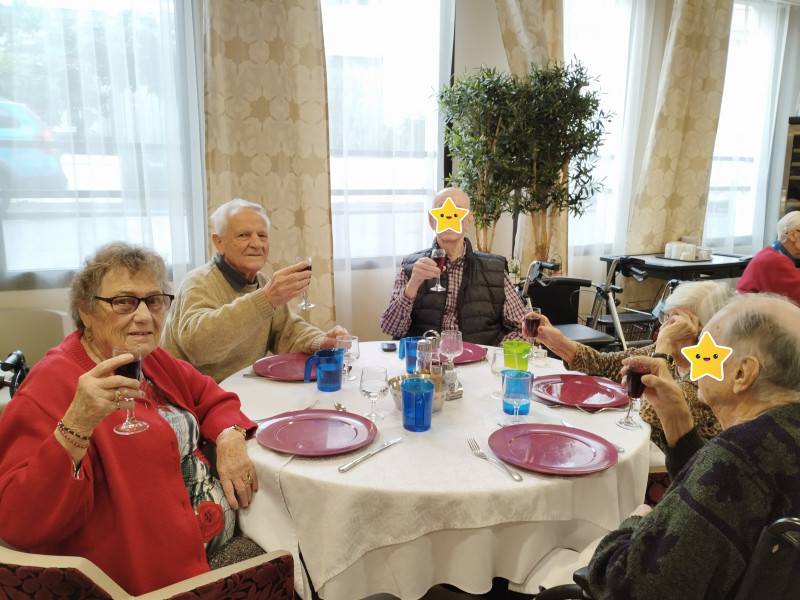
[363,457]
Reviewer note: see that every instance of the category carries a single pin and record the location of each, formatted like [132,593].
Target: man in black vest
[480,299]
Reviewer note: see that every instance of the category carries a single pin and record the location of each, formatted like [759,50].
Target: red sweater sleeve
[771,271]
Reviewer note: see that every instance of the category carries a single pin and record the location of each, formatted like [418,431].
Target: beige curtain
[532,32]
[267,132]
[671,199]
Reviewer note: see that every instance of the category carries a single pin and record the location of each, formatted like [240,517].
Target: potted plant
[525,145]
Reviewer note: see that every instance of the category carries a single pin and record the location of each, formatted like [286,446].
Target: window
[383,71]
[96,135]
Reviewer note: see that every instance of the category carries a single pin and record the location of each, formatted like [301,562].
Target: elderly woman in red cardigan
[144,507]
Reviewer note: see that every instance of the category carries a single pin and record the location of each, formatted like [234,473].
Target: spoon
[339,406]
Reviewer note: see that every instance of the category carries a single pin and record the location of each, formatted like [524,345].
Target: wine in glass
[635,391]
[373,385]
[517,392]
[304,303]
[530,327]
[351,354]
[132,370]
[439,256]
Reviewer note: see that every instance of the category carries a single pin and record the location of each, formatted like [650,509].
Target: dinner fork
[476,450]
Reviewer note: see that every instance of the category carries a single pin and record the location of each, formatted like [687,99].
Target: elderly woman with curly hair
[686,310]
[144,507]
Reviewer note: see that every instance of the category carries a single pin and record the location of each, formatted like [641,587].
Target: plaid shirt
[396,319]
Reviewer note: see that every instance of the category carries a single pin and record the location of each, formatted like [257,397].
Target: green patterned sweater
[698,539]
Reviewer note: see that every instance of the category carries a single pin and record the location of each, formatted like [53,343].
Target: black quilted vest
[480,299]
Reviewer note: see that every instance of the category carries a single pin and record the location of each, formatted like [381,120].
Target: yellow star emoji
[449,216]
[706,358]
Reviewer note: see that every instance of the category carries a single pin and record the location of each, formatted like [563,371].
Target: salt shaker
[424,357]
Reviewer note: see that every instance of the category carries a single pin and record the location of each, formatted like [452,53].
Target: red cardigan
[128,510]
[771,271]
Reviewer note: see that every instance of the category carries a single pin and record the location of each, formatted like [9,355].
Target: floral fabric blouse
[215,516]
[608,364]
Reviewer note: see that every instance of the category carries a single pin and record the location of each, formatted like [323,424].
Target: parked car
[29,161]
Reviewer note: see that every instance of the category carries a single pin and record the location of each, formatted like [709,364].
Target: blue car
[29,161]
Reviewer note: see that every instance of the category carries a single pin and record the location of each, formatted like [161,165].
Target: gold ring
[117,395]
[247,480]
[119,406]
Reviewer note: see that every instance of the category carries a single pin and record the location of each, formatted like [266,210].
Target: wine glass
[133,370]
[450,344]
[304,303]
[373,385]
[516,391]
[439,255]
[530,327]
[635,391]
[350,344]
[502,359]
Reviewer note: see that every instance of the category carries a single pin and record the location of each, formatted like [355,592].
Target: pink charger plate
[284,367]
[316,432]
[584,391]
[553,449]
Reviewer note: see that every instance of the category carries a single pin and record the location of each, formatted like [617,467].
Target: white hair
[219,218]
[789,221]
[703,298]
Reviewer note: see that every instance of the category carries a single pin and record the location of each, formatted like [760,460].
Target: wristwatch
[238,428]
[667,357]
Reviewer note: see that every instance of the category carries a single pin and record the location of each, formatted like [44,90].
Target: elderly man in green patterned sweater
[227,314]
[698,539]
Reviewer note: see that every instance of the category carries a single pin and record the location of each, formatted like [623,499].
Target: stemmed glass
[530,327]
[635,391]
[439,255]
[350,344]
[304,303]
[132,370]
[501,360]
[450,344]
[516,391]
[373,385]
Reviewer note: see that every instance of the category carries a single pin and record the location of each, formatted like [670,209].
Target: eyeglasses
[124,305]
[663,315]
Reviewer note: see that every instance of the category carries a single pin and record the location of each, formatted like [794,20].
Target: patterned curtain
[267,131]
[671,199]
[532,32]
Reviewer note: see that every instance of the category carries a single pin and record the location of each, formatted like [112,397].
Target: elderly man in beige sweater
[227,314]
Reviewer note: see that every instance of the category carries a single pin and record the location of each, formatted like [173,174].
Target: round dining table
[426,510]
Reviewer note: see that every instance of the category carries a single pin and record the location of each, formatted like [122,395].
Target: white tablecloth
[426,511]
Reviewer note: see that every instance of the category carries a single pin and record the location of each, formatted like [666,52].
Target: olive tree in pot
[525,145]
[476,110]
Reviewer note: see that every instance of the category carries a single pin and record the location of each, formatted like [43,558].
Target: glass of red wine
[635,391]
[439,256]
[530,327]
[133,370]
[304,303]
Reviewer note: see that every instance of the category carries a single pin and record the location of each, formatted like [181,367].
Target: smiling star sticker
[449,216]
[706,358]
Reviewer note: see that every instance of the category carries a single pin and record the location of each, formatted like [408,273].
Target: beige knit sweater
[221,331]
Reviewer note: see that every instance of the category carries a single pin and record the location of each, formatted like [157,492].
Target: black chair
[16,370]
[773,570]
[559,299]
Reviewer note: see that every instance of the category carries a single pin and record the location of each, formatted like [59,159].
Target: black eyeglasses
[123,305]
